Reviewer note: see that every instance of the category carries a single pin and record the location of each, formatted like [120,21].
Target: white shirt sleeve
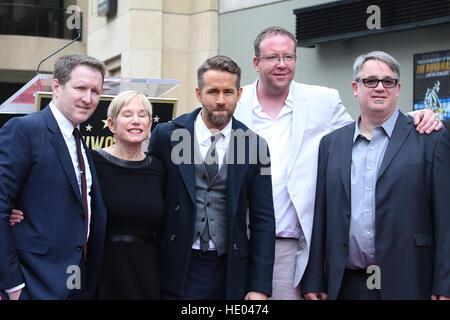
[15,288]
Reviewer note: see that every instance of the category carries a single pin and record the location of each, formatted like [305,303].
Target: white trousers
[283,271]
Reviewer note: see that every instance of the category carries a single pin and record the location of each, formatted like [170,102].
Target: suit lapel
[401,131]
[236,170]
[345,157]
[61,150]
[244,108]
[299,116]
[187,167]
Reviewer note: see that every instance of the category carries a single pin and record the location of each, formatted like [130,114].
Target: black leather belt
[285,238]
[132,238]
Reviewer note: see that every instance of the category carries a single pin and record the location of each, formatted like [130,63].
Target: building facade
[169,39]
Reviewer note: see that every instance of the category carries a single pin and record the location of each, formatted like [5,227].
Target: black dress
[133,196]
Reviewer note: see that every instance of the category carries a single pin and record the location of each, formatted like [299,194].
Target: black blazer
[412,218]
[249,261]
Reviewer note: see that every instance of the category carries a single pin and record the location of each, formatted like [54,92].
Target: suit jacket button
[345,244]
[235,246]
[347,214]
[79,248]
[177,207]
[173,237]
[82,216]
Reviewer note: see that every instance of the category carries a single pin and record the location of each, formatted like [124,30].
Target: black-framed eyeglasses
[290,58]
[373,82]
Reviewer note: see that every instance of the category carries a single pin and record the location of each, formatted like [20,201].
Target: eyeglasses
[276,59]
[373,82]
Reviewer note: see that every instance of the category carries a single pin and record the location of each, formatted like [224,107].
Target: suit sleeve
[313,278]
[441,212]
[262,227]
[15,163]
[339,115]
[154,146]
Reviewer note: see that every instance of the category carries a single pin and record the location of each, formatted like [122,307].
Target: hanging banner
[432,83]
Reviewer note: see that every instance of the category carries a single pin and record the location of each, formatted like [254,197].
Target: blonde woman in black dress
[132,189]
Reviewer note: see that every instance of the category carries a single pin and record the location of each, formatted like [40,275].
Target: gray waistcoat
[211,198]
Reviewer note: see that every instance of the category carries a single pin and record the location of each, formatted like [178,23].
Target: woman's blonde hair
[123,99]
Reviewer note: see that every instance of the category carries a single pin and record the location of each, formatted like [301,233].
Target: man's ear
[256,63]
[239,93]
[55,87]
[355,88]
[198,95]
[399,85]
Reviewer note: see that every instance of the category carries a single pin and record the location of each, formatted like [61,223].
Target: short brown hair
[220,63]
[64,66]
[270,31]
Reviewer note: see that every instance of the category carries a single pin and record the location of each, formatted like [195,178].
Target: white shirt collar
[256,106]
[202,132]
[64,124]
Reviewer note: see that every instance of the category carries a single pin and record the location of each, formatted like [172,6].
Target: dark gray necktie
[212,167]
[212,158]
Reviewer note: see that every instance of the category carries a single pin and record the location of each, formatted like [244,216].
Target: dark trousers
[205,278]
[354,287]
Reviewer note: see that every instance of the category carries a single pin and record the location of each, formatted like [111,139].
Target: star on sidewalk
[156,118]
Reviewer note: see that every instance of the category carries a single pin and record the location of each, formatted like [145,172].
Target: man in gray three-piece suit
[218,182]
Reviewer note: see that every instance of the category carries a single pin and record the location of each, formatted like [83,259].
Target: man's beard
[218,121]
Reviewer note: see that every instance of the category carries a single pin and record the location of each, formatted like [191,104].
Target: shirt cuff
[16,288]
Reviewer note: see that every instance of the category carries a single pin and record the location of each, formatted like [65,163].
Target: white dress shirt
[203,136]
[66,128]
[278,134]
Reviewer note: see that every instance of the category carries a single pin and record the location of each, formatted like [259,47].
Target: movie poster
[432,83]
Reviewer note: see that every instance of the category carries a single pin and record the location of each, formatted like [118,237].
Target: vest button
[173,237]
[235,246]
[198,233]
[204,177]
[208,204]
[208,189]
[203,220]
